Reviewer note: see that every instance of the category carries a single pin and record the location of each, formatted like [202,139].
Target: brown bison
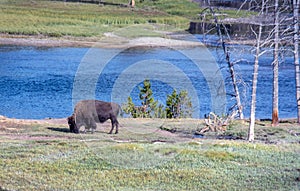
[89,112]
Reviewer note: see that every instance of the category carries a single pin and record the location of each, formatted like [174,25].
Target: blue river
[41,82]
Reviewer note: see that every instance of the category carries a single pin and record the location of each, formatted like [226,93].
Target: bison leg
[93,126]
[114,122]
[112,128]
[76,130]
[117,126]
[112,125]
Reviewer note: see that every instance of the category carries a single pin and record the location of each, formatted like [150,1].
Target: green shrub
[179,105]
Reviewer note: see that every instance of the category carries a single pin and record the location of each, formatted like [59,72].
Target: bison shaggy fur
[89,112]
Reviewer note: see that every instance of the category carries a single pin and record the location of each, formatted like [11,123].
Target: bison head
[72,124]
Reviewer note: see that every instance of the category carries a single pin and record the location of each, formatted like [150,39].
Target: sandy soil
[6,122]
[106,42]
[39,41]
[23,130]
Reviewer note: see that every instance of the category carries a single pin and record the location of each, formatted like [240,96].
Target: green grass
[141,157]
[58,19]
[72,19]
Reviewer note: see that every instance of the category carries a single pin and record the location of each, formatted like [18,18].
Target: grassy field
[45,156]
[75,19]
[58,18]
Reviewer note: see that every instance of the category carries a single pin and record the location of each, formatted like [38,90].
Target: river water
[39,83]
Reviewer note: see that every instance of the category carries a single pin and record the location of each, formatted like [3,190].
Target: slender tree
[275,65]
[171,105]
[148,106]
[296,54]
[185,104]
[230,64]
[129,108]
[178,105]
[146,96]
[258,52]
[234,82]
[254,86]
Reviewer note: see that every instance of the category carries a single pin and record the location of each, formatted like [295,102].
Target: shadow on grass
[67,130]
[58,129]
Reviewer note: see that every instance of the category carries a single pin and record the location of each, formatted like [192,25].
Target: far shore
[43,41]
[104,42]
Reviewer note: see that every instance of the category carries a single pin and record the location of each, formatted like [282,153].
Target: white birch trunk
[254,87]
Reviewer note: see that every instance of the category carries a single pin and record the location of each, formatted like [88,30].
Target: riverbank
[109,41]
[43,41]
[176,129]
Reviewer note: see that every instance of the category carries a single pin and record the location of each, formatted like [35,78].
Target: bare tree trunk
[234,82]
[296,55]
[254,87]
[275,67]
[230,66]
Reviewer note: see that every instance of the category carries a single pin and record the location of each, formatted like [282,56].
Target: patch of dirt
[109,41]
[23,129]
[7,122]
[17,129]
[43,41]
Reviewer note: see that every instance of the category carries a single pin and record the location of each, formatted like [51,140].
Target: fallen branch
[215,123]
